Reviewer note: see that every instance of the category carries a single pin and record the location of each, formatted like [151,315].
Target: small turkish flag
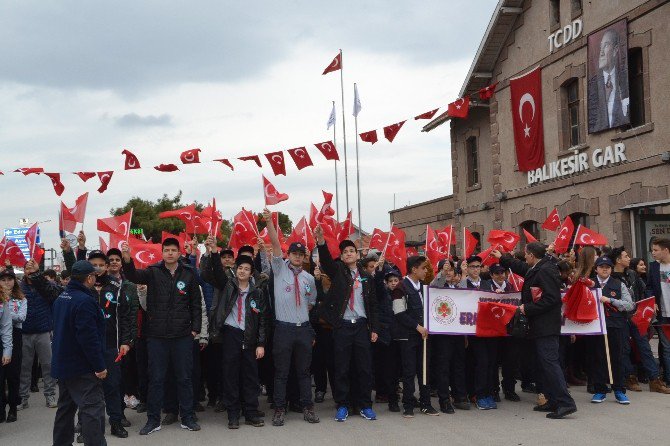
[105,178]
[370,136]
[184,214]
[10,251]
[30,170]
[492,319]
[226,162]
[390,131]
[529,237]
[459,108]
[395,249]
[469,242]
[553,221]
[378,239]
[55,180]
[562,241]
[506,239]
[487,258]
[145,254]
[103,245]
[190,156]
[253,158]
[644,313]
[328,150]
[116,225]
[580,305]
[526,98]
[435,251]
[486,93]
[302,234]
[36,252]
[516,281]
[276,160]
[300,157]
[586,236]
[335,65]
[85,176]
[427,115]
[166,167]
[272,195]
[131,160]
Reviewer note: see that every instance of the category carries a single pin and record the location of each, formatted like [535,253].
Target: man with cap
[119,323]
[616,300]
[351,308]
[174,318]
[293,295]
[78,360]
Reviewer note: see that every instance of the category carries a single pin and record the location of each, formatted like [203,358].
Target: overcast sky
[81,81]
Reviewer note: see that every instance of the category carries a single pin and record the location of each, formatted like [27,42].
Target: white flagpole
[575,239]
[358,172]
[344,136]
[337,188]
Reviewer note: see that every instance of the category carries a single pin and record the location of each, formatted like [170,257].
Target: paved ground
[645,421]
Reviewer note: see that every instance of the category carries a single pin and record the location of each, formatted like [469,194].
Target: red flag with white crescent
[434,249]
[492,319]
[370,136]
[470,243]
[335,65]
[30,170]
[120,224]
[486,93]
[529,237]
[562,241]
[36,252]
[302,233]
[190,156]
[253,158]
[459,108]
[526,98]
[59,188]
[644,313]
[145,254]
[226,162]
[585,236]
[300,157]
[276,160]
[272,195]
[328,150]
[184,214]
[507,239]
[553,221]
[427,115]
[390,131]
[11,251]
[131,160]
[85,176]
[166,167]
[105,178]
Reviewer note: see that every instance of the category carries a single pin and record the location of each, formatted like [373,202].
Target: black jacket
[255,307]
[332,311]
[174,303]
[116,308]
[408,310]
[544,316]
[385,307]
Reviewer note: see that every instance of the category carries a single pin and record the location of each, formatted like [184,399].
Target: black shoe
[462,405]
[150,428]
[118,431]
[3,417]
[141,408]
[562,412]
[530,388]
[34,388]
[512,396]
[408,412]
[234,423]
[169,418]
[393,407]
[199,408]
[260,413]
[278,418]
[219,407]
[447,407]
[546,407]
[11,415]
[125,422]
[190,425]
[319,397]
[254,421]
[309,415]
[80,439]
[429,410]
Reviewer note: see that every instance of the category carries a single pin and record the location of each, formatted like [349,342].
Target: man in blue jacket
[78,360]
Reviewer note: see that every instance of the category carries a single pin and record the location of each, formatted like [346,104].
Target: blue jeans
[179,353]
[664,343]
[646,356]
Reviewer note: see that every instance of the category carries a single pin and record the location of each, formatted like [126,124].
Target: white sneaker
[132,402]
[24,405]
[51,401]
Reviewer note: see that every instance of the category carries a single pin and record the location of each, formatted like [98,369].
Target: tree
[145,217]
[285,223]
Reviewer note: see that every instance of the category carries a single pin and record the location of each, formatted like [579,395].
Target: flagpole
[344,136]
[337,188]
[387,240]
[130,220]
[358,172]
[572,245]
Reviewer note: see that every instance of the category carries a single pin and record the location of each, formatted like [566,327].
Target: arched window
[531,226]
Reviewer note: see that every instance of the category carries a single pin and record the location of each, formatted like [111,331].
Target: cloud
[135,120]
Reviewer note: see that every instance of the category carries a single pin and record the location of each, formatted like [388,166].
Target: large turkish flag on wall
[526,92]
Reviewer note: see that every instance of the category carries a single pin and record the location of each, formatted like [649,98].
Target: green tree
[285,223]
[145,216]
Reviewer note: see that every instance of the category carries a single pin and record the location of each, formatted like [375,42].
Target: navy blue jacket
[653,284]
[40,294]
[384,306]
[79,333]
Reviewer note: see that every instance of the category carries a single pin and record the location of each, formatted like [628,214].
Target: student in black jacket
[408,303]
[351,309]
[174,318]
[541,303]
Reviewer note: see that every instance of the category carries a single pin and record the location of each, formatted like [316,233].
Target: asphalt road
[645,421]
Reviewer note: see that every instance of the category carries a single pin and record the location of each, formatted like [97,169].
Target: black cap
[392,273]
[346,243]
[297,247]
[497,269]
[473,259]
[114,252]
[82,268]
[7,272]
[604,260]
[97,254]
[227,251]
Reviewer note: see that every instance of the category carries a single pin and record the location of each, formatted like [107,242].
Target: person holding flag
[541,303]
[351,308]
[293,294]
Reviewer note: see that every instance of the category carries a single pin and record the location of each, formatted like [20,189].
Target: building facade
[607,168]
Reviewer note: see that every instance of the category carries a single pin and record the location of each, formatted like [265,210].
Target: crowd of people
[224,328]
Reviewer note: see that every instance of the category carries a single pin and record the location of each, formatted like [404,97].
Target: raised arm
[326,261]
[272,232]
[131,273]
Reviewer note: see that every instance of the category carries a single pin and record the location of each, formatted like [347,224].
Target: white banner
[454,311]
